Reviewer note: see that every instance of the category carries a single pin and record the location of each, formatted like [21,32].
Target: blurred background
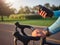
[25,11]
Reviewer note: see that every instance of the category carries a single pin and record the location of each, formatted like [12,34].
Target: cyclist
[53,29]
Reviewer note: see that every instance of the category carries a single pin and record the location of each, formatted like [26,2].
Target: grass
[38,22]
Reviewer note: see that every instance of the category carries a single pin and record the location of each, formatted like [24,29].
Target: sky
[18,3]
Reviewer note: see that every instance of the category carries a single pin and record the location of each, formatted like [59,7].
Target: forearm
[54,28]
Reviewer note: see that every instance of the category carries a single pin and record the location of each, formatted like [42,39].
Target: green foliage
[54,8]
[5,9]
[17,17]
[33,17]
[24,17]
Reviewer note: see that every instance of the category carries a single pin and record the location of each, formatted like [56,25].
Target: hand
[39,33]
[42,13]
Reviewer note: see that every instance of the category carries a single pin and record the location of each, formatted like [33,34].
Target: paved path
[6,37]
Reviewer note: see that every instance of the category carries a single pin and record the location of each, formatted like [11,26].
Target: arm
[56,13]
[55,27]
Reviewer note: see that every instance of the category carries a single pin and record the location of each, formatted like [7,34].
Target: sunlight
[15,3]
[19,3]
[10,1]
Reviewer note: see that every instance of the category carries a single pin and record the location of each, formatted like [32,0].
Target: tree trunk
[2,18]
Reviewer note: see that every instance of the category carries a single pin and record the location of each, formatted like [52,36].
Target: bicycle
[25,38]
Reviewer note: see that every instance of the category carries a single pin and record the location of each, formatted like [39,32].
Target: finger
[44,32]
[39,35]
[42,13]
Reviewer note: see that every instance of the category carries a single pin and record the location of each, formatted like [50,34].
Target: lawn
[38,22]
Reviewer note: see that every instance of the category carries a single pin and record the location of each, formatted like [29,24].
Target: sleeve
[55,27]
[56,13]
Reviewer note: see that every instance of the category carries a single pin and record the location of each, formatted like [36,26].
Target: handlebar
[22,27]
[25,38]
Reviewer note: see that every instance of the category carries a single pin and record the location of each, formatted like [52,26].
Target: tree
[21,10]
[47,5]
[54,8]
[5,10]
[27,10]
[59,7]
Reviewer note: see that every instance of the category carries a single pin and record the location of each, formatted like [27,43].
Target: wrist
[48,33]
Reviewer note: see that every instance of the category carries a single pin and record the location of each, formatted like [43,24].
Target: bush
[33,17]
[27,17]
[17,17]
[24,17]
